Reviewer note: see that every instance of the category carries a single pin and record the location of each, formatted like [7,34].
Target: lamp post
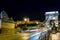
[1,16]
[0,24]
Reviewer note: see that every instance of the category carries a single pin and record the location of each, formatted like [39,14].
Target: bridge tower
[7,26]
[3,17]
[53,15]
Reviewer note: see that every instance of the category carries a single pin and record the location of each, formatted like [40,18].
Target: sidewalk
[55,36]
[20,36]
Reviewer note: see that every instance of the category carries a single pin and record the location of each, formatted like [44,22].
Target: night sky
[33,9]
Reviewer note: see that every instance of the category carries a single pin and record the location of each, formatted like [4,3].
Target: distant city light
[37,22]
[25,19]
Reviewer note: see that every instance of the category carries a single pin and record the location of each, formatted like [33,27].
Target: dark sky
[34,9]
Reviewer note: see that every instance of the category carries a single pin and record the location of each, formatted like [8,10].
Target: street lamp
[54,18]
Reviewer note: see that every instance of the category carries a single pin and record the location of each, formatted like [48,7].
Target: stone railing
[40,35]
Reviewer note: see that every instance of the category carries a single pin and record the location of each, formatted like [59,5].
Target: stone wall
[8,28]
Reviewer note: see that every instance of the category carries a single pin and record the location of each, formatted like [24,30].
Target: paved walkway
[55,36]
[19,36]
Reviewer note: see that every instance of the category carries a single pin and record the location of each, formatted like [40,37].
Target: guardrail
[40,35]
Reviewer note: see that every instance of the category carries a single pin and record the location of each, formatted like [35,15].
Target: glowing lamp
[25,19]
[54,18]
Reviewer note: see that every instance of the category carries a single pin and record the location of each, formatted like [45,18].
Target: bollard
[0,31]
